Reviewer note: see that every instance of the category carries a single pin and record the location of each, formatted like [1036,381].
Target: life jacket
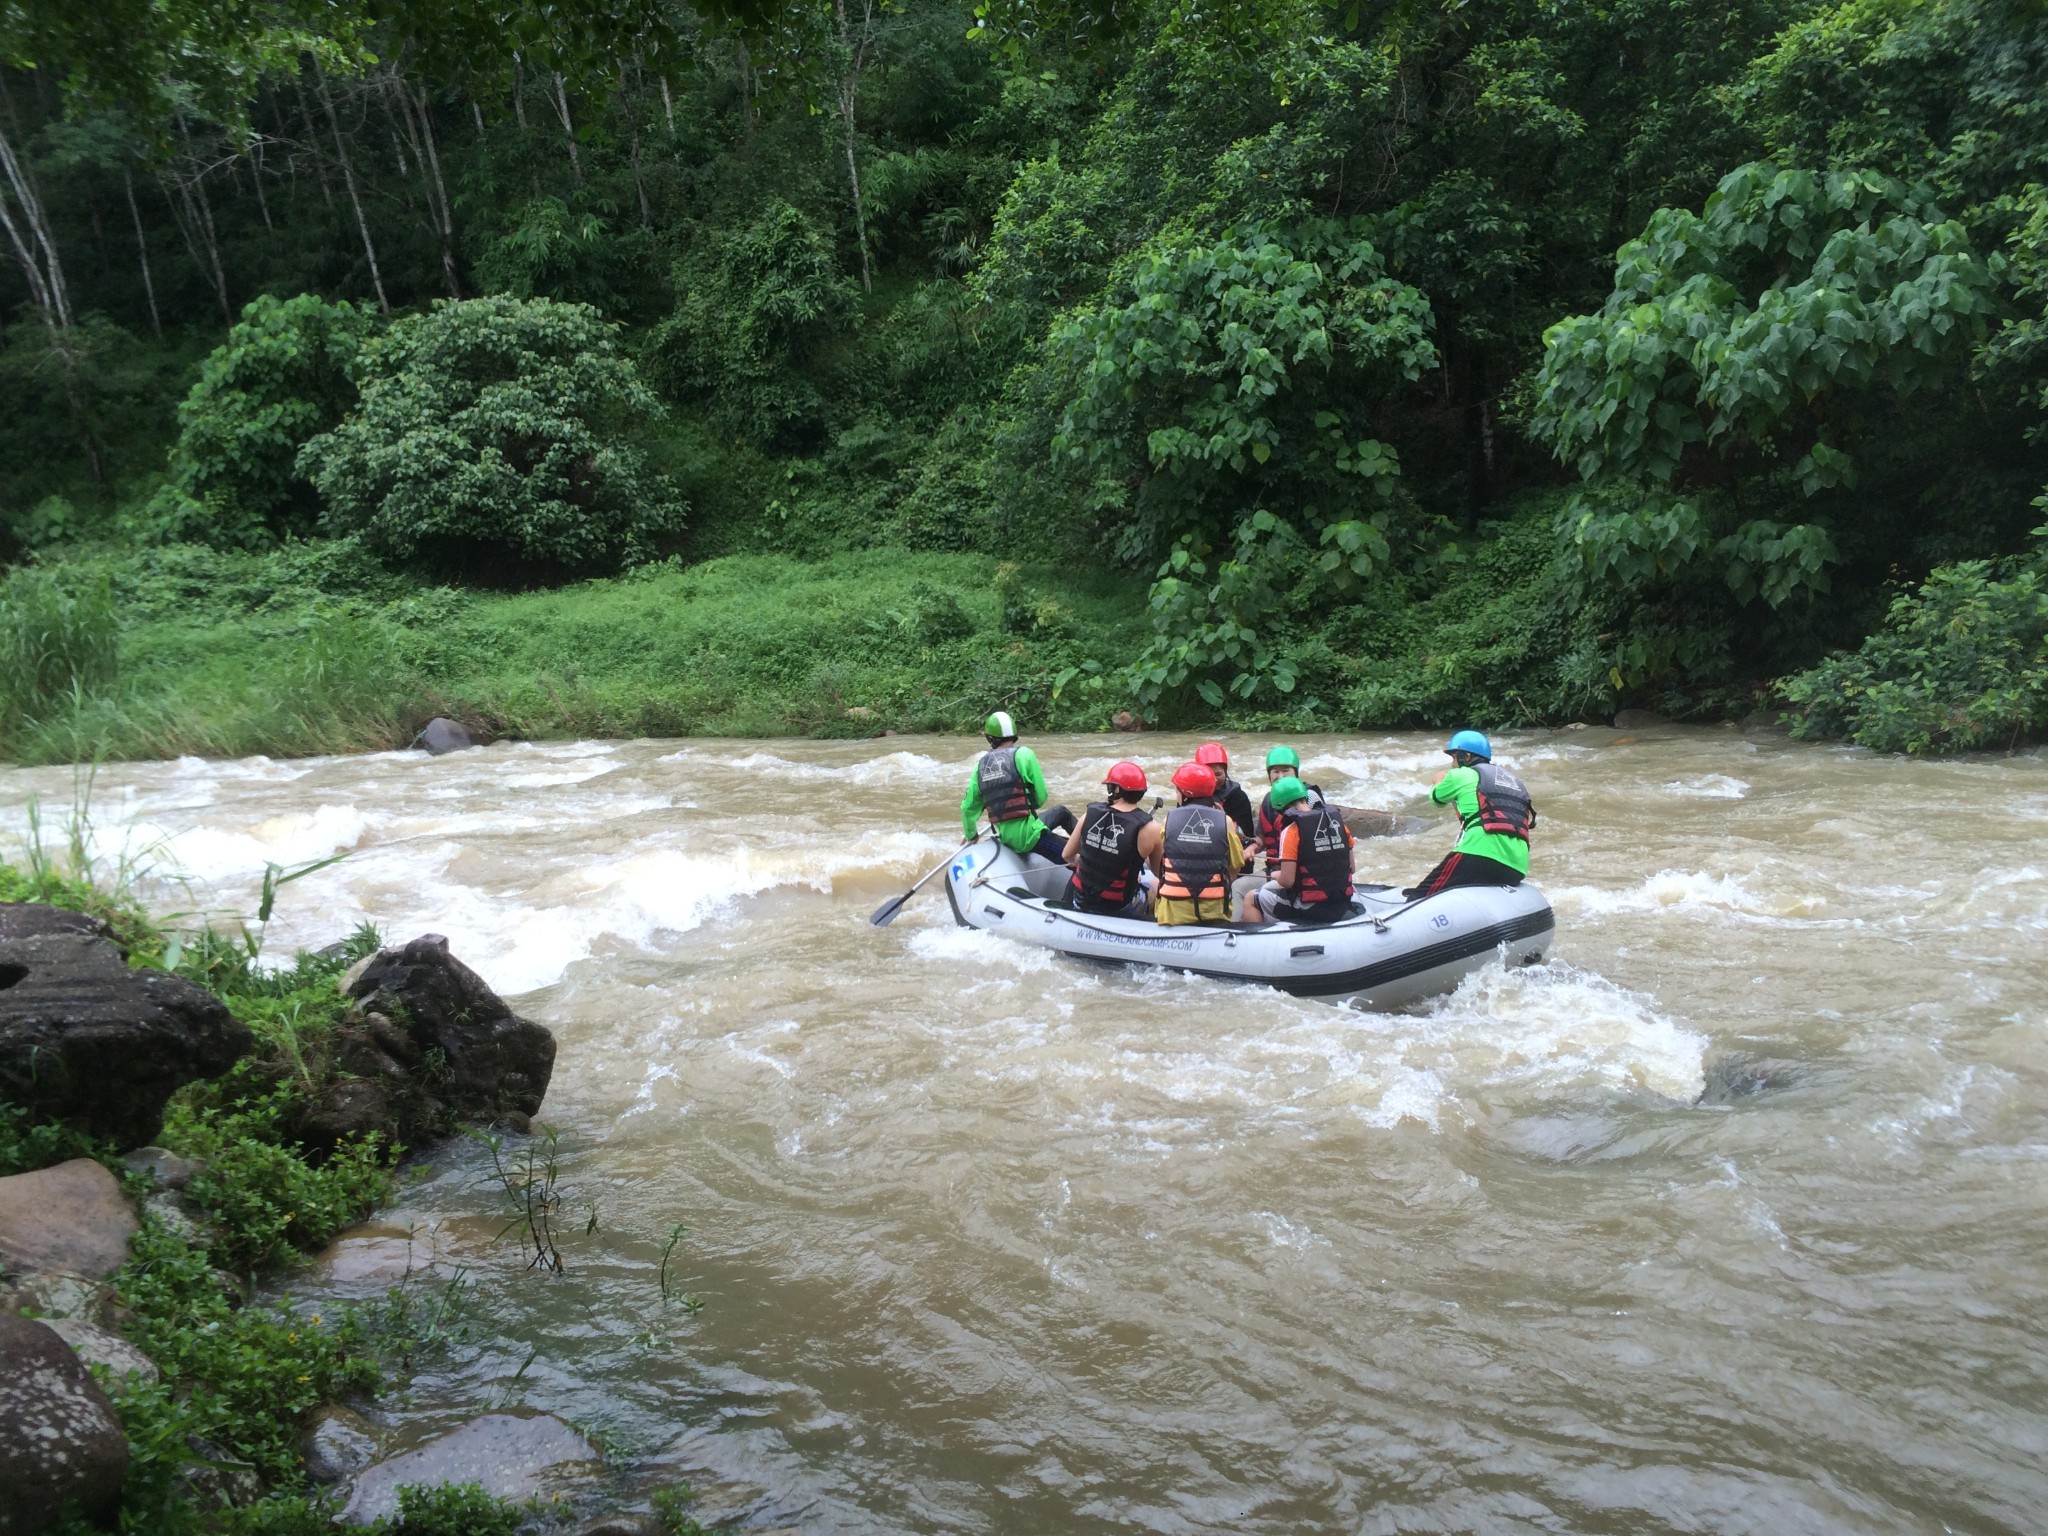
[1504,803]
[1108,871]
[1195,856]
[1004,794]
[1237,805]
[1271,821]
[1322,862]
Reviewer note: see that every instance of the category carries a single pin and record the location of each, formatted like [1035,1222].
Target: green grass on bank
[314,649]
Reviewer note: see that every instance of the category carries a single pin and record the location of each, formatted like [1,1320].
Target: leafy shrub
[1961,664]
[756,308]
[26,1146]
[57,640]
[552,251]
[493,440]
[286,373]
[456,1509]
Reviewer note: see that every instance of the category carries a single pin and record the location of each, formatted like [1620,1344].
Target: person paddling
[1009,787]
[1104,848]
[1311,864]
[1498,816]
[1195,854]
[1230,795]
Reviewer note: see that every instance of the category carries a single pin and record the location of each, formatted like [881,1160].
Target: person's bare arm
[1152,847]
[1073,849]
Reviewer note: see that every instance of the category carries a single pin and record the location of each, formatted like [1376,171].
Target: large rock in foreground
[71,1219]
[59,1439]
[86,1040]
[511,1456]
[484,1061]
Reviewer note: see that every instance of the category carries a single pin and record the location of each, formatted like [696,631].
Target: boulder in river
[473,1055]
[443,735]
[89,1041]
[71,1219]
[59,1439]
[337,1443]
[512,1456]
[32,920]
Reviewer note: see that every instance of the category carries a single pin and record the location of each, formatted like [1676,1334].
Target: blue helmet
[1473,742]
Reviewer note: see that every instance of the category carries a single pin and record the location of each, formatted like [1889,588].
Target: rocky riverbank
[178,1125]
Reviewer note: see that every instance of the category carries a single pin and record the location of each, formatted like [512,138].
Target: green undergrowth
[312,649]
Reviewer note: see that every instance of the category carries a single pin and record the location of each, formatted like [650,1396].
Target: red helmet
[1211,754]
[1127,776]
[1194,781]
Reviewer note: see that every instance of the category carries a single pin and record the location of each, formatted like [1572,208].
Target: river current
[1733,1217]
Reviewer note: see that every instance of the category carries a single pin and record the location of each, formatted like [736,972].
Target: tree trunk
[668,105]
[256,175]
[417,119]
[142,251]
[44,275]
[313,127]
[568,129]
[348,177]
[849,87]
[633,139]
[49,265]
[196,201]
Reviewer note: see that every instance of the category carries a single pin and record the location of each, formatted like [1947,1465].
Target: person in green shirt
[1497,814]
[1008,787]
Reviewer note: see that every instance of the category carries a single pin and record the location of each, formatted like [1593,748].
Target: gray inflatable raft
[1386,954]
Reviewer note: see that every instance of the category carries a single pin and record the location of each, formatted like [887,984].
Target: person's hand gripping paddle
[885,914]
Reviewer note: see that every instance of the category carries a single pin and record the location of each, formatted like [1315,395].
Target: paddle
[885,914]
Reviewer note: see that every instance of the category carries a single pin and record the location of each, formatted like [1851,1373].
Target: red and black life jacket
[1195,857]
[1005,795]
[1322,859]
[1271,821]
[1108,872]
[1504,803]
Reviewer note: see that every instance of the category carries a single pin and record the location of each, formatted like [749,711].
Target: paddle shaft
[885,914]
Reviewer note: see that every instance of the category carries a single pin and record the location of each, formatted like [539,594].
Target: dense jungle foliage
[842,366]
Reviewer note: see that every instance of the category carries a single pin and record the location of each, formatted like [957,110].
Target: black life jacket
[1004,794]
[1196,853]
[1322,863]
[1108,872]
[1237,805]
[1504,803]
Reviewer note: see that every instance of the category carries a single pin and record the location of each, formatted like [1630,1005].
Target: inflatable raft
[1386,954]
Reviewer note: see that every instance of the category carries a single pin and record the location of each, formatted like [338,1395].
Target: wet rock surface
[72,1219]
[88,1041]
[443,735]
[509,1455]
[33,920]
[438,1041]
[337,1443]
[59,1439]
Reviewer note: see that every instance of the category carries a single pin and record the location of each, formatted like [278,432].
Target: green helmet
[999,726]
[1283,757]
[1286,792]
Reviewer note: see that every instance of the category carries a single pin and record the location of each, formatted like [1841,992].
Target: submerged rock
[477,1057]
[510,1455]
[72,1219]
[444,735]
[59,1439]
[337,1443]
[88,1041]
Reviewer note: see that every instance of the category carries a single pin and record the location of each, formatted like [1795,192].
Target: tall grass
[58,641]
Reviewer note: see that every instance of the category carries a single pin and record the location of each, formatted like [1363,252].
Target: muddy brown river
[1733,1217]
